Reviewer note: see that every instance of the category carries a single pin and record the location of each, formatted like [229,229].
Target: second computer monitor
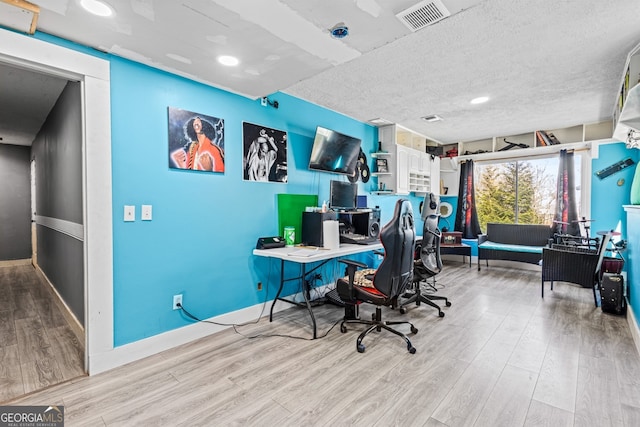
[343,195]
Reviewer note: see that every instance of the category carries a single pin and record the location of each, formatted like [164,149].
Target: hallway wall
[15,203]
[58,153]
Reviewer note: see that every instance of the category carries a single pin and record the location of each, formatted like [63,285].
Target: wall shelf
[411,169]
[574,137]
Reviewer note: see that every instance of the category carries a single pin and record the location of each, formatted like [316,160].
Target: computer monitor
[343,195]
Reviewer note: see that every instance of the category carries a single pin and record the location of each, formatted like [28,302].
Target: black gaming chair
[383,285]
[427,262]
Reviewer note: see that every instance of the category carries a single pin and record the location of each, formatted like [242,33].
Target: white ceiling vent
[423,14]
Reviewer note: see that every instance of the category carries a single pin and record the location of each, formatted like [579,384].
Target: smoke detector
[339,31]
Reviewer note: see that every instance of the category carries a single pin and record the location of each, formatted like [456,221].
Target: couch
[513,242]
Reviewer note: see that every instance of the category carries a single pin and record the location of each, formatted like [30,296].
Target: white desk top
[305,255]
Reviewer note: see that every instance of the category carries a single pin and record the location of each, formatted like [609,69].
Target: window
[520,190]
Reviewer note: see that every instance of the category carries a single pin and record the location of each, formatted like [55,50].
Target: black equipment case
[612,294]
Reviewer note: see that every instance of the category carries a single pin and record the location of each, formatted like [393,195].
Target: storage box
[451,238]
[612,265]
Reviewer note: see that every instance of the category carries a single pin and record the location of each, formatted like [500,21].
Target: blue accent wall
[205,225]
[607,197]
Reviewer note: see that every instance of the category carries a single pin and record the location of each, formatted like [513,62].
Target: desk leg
[273,304]
[306,291]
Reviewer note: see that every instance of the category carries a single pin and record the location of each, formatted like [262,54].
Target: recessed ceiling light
[432,118]
[380,122]
[96,7]
[480,100]
[229,61]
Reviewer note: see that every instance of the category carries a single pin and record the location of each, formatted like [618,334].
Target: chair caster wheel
[448,304]
[412,350]
[343,329]
[402,310]
[414,330]
[360,348]
[441,314]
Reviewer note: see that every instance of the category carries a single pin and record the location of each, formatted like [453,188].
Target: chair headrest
[430,205]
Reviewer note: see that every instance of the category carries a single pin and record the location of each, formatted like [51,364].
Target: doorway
[37,54]
[42,339]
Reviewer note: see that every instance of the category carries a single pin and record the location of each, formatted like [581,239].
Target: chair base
[418,297]
[376,323]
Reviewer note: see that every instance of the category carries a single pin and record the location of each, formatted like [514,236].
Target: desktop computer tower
[367,223]
[312,227]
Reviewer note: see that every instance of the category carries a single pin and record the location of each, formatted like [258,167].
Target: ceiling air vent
[423,14]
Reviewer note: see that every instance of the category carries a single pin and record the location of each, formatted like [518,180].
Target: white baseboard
[72,320]
[633,327]
[127,353]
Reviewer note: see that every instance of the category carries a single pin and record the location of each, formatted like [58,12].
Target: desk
[322,256]
[456,249]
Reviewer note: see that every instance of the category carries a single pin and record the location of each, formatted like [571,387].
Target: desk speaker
[367,223]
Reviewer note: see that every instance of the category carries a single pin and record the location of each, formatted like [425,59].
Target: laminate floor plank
[466,399]
[425,385]
[558,380]
[7,328]
[31,320]
[531,348]
[67,351]
[597,401]
[11,384]
[627,368]
[542,415]
[501,356]
[630,415]
[509,401]
[25,307]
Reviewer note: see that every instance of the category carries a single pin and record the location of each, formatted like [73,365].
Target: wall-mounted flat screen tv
[334,152]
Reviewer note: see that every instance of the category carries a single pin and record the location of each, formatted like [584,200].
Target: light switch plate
[145,215]
[129,213]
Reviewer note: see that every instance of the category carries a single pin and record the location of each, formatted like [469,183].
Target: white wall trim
[94,74]
[633,327]
[137,350]
[72,229]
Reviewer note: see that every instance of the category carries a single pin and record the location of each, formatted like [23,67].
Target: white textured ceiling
[545,63]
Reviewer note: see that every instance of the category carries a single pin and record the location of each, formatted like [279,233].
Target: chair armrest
[352,266]
[352,262]
[346,293]
[482,238]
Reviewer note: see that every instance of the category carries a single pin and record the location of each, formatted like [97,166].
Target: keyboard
[358,239]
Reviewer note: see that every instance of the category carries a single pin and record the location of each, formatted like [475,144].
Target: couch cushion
[511,248]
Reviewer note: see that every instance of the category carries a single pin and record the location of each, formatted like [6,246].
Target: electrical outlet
[177,301]
[264,101]
[259,286]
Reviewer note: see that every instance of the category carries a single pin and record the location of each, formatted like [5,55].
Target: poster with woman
[265,153]
[196,141]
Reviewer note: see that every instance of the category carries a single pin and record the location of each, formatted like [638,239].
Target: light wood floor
[37,346]
[501,356]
